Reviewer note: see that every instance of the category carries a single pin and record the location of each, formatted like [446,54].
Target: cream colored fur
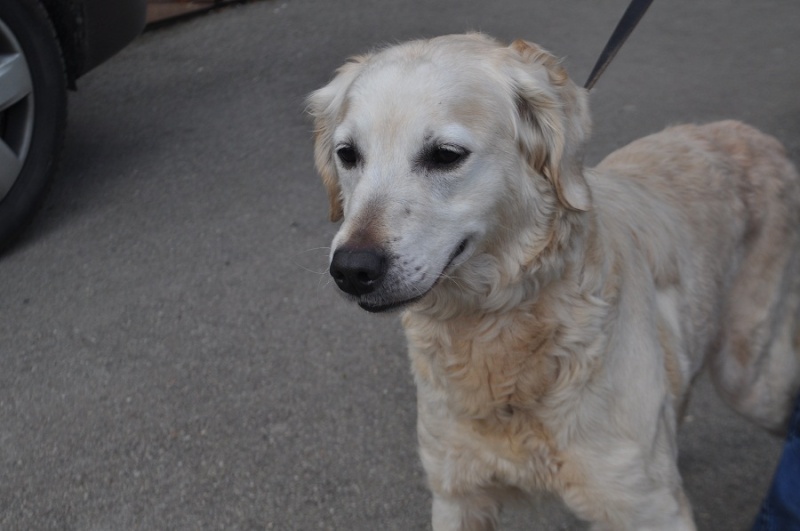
[555,352]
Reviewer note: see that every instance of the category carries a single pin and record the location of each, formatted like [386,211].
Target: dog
[556,314]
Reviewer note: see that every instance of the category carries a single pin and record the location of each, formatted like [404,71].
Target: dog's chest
[508,378]
[490,371]
[501,394]
[480,401]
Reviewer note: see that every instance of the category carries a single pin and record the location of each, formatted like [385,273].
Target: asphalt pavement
[172,353]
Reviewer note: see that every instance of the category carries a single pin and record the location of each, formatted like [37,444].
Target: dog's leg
[628,485]
[473,513]
[757,368]
[661,508]
[681,523]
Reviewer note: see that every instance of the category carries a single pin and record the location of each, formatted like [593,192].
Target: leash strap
[631,17]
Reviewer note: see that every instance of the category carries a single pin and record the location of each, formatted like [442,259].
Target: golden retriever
[556,314]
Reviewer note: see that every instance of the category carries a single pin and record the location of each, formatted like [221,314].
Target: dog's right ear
[326,107]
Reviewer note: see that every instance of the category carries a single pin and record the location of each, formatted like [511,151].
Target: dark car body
[91,31]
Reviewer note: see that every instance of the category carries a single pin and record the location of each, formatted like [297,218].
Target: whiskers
[454,280]
[324,278]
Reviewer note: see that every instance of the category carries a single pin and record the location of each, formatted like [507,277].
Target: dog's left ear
[326,106]
[553,123]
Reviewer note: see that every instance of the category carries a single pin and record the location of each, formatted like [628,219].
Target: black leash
[630,18]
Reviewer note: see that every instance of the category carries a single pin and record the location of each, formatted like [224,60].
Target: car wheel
[33,112]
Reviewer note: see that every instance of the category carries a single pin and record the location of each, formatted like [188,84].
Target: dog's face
[426,147]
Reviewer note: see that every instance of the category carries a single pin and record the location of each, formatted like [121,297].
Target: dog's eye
[444,157]
[348,155]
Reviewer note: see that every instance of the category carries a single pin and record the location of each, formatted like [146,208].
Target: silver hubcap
[16,109]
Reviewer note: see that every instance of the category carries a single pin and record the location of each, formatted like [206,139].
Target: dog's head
[434,152]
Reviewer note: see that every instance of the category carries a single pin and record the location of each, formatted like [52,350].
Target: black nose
[358,271]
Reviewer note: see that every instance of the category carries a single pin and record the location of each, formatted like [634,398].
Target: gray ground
[173,355]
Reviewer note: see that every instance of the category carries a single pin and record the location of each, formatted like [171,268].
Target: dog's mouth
[396,305]
[455,254]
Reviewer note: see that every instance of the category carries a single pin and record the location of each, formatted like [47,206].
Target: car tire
[33,112]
